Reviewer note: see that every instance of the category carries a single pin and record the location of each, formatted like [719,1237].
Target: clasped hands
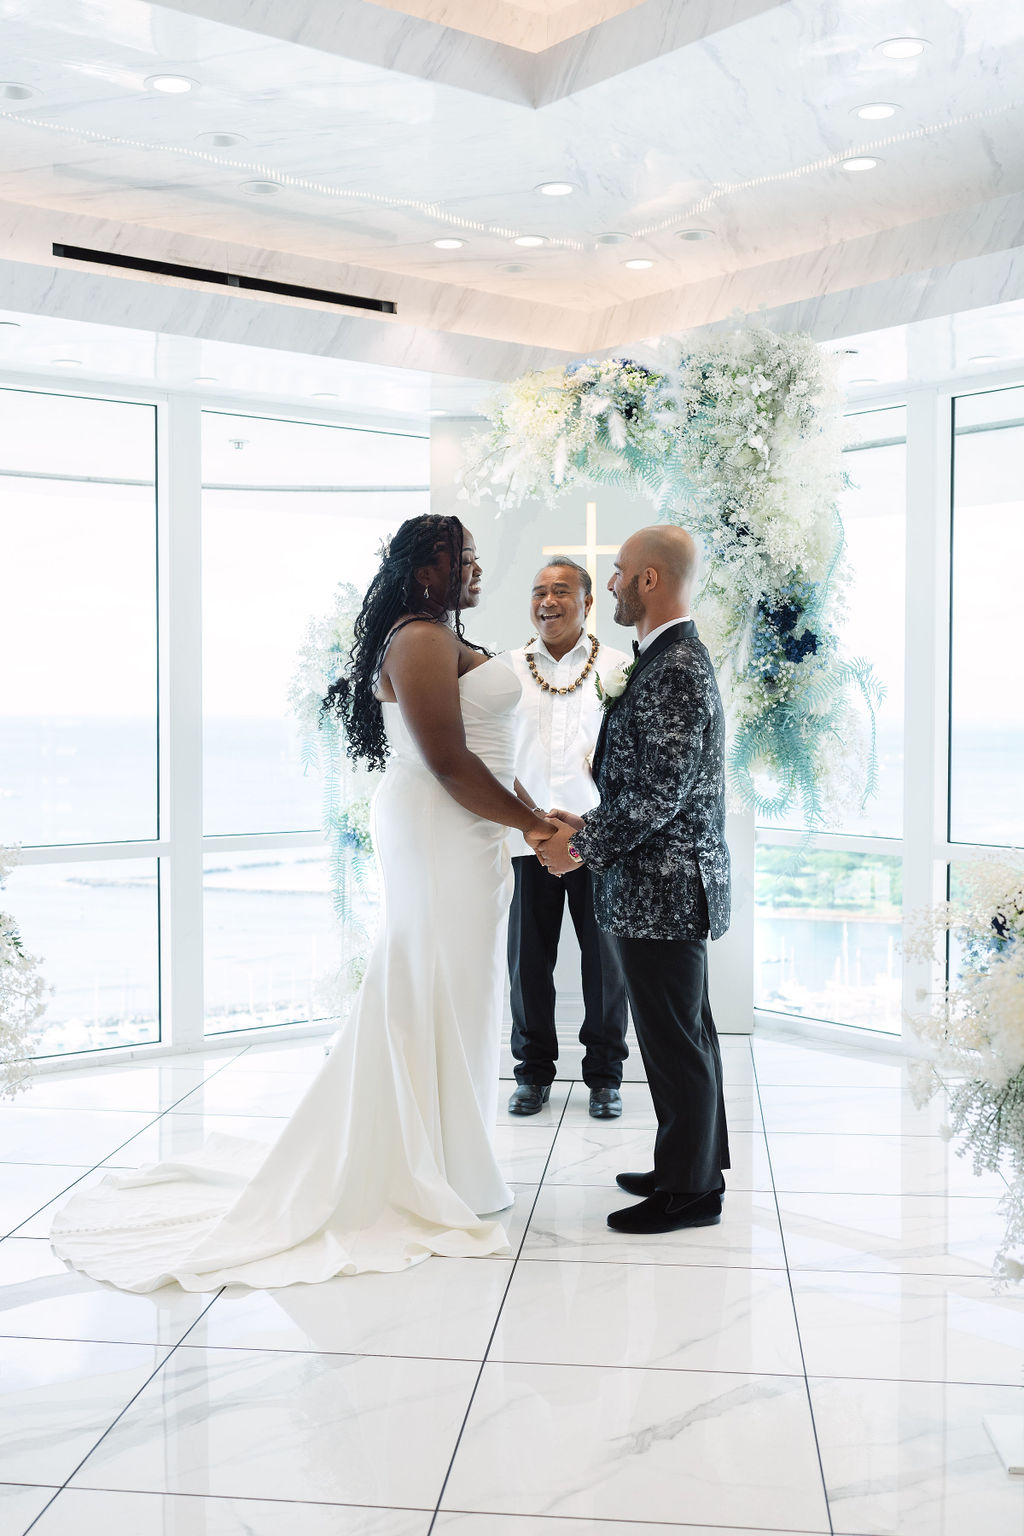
[551,839]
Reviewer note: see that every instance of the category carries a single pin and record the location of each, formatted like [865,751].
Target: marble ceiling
[533,25]
[364,131]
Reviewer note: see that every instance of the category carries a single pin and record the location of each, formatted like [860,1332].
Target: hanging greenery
[739,440]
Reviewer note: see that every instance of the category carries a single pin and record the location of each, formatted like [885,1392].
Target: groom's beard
[628,607]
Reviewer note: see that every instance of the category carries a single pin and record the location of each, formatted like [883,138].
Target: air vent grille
[224,279]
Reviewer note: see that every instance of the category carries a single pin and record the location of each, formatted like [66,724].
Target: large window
[78,711]
[289,511]
[987,696]
[827,935]
[173,870]
[96,925]
[78,706]
[174,876]
[827,914]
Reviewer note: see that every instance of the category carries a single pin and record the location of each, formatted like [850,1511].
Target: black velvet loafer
[662,1212]
[529,1099]
[605,1103]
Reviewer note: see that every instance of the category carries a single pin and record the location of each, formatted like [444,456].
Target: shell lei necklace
[595,646]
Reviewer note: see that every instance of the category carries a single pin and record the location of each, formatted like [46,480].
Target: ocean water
[274,951]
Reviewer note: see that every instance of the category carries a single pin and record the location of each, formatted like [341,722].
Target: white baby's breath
[974,1026]
[740,439]
[22,993]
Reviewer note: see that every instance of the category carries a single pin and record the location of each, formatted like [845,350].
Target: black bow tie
[636,648]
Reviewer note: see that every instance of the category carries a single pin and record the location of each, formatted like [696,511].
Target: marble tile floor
[822,1362]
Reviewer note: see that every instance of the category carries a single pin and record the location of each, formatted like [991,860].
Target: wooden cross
[591,549]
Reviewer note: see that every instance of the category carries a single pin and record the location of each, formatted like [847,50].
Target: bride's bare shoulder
[416,637]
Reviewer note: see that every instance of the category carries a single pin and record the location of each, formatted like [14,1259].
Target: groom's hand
[553,854]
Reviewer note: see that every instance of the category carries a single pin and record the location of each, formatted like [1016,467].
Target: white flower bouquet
[974,1027]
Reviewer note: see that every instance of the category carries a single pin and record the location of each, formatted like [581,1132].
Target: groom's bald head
[653,579]
[669,551]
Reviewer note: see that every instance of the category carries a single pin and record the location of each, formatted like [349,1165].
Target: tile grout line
[49,1504]
[792,1299]
[133,1399]
[103,1160]
[497,1318]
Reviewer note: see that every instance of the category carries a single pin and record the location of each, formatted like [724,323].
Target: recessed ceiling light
[860,163]
[437,412]
[325,394]
[205,378]
[66,362]
[449,243]
[170,85]
[530,241]
[638,264]
[10,90]
[875,111]
[863,381]
[513,266]
[695,234]
[984,357]
[612,237]
[903,47]
[260,188]
[220,140]
[556,188]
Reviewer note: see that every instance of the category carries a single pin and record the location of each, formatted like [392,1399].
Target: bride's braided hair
[393,593]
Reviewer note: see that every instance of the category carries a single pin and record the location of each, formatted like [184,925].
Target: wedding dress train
[389,1157]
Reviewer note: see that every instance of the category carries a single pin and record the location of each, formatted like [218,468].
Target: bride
[389,1157]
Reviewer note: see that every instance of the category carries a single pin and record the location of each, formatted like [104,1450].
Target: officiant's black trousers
[534,926]
[667,985]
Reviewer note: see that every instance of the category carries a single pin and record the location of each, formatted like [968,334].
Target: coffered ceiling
[706,145]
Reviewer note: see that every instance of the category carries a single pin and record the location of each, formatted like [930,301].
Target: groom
[656,848]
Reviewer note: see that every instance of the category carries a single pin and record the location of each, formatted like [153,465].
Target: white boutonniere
[611,688]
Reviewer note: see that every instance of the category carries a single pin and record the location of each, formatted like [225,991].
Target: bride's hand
[538,835]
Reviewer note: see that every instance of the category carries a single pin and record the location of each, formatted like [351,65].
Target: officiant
[558,721]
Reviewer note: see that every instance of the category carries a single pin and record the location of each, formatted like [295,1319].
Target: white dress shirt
[556,732]
[650,639]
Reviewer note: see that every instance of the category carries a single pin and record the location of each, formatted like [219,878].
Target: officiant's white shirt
[556,732]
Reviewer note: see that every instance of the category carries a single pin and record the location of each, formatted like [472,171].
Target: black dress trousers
[535,923]
[667,985]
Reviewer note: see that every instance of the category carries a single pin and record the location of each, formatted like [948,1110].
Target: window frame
[180,845]
[925,847]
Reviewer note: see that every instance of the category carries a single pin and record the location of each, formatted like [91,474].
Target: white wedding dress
[389,1157]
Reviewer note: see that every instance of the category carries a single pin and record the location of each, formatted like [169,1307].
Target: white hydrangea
[739,438]
[22,993]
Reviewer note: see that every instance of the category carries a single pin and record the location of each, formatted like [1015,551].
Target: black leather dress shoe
[605,1103]
[643,1183]
[662,1212]
[529,1099]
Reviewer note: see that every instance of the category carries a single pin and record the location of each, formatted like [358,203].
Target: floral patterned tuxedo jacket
[656,843]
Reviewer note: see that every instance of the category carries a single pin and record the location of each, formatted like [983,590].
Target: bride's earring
[426,594]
